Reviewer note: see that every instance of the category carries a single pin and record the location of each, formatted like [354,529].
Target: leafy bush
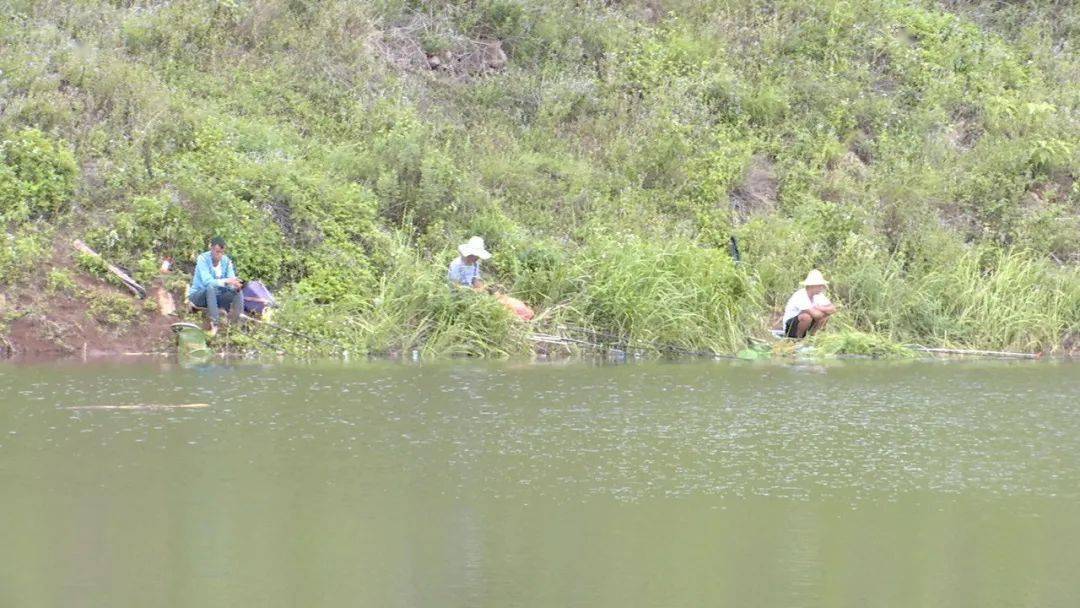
[498,19]
[37,176]
[153,224]
[60,281]
[16,248]
[338,274]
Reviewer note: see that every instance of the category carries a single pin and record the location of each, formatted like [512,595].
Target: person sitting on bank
[465,269]
[808,309]
[214,284]
[465,273]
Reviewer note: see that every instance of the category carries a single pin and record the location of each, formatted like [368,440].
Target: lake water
[499,484]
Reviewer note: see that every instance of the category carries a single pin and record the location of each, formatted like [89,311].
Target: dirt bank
[73,314]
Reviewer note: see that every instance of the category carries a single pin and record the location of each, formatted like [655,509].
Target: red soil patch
[59,326]
[49,325]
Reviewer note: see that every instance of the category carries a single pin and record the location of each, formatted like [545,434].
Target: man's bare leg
[815,318]
[819,323]
[805,320]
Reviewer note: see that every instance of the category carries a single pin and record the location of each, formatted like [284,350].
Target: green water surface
[475,484]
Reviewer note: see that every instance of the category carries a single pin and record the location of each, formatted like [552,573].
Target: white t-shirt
[800,301]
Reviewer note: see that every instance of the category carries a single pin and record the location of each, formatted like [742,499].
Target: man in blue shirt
[465,270]
[214,284]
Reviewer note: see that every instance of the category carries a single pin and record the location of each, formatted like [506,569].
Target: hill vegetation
[922,154]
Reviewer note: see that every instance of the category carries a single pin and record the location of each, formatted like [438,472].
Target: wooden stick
[977,353]
[128,282]
[140,406]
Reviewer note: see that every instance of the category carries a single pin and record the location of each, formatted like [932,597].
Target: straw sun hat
[814,278]
[474,246]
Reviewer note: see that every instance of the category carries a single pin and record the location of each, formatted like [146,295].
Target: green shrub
[337,274]
[17,248]
[60,281]
[37,176]
[147,224]
[498,19]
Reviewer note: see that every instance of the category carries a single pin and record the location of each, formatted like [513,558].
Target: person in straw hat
[465,269]
[808,309]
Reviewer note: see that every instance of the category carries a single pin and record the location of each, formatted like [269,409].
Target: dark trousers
[213,298]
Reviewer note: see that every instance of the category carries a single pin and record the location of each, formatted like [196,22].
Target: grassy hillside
[923,155]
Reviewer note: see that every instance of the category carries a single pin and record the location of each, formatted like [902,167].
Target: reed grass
[676,293]
[990,298]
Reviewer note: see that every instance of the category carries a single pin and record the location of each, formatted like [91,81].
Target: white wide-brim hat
[814,278]
[474,246]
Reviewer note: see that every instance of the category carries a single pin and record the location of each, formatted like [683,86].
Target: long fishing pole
[619,340]
[612,339]
[268,344]
[976,353]
[298,334]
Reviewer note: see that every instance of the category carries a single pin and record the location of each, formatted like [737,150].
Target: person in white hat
[465,272]
[808,309]
[465,269]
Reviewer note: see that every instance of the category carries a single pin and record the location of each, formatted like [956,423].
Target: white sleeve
[821,300]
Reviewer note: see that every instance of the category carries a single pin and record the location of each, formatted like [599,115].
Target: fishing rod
[298,334]
[975,353]
[661,348]
[611,339]
[271,346]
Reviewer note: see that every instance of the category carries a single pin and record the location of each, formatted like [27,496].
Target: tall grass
[984,298]
[678,295]
[411,307]
[674,293]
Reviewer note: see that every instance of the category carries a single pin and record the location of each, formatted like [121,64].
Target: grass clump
[676,294]
[850,342]
[60,281]
[978,298]
[112,309]
[411,307]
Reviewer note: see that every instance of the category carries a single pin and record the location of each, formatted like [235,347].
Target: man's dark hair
[217,240]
